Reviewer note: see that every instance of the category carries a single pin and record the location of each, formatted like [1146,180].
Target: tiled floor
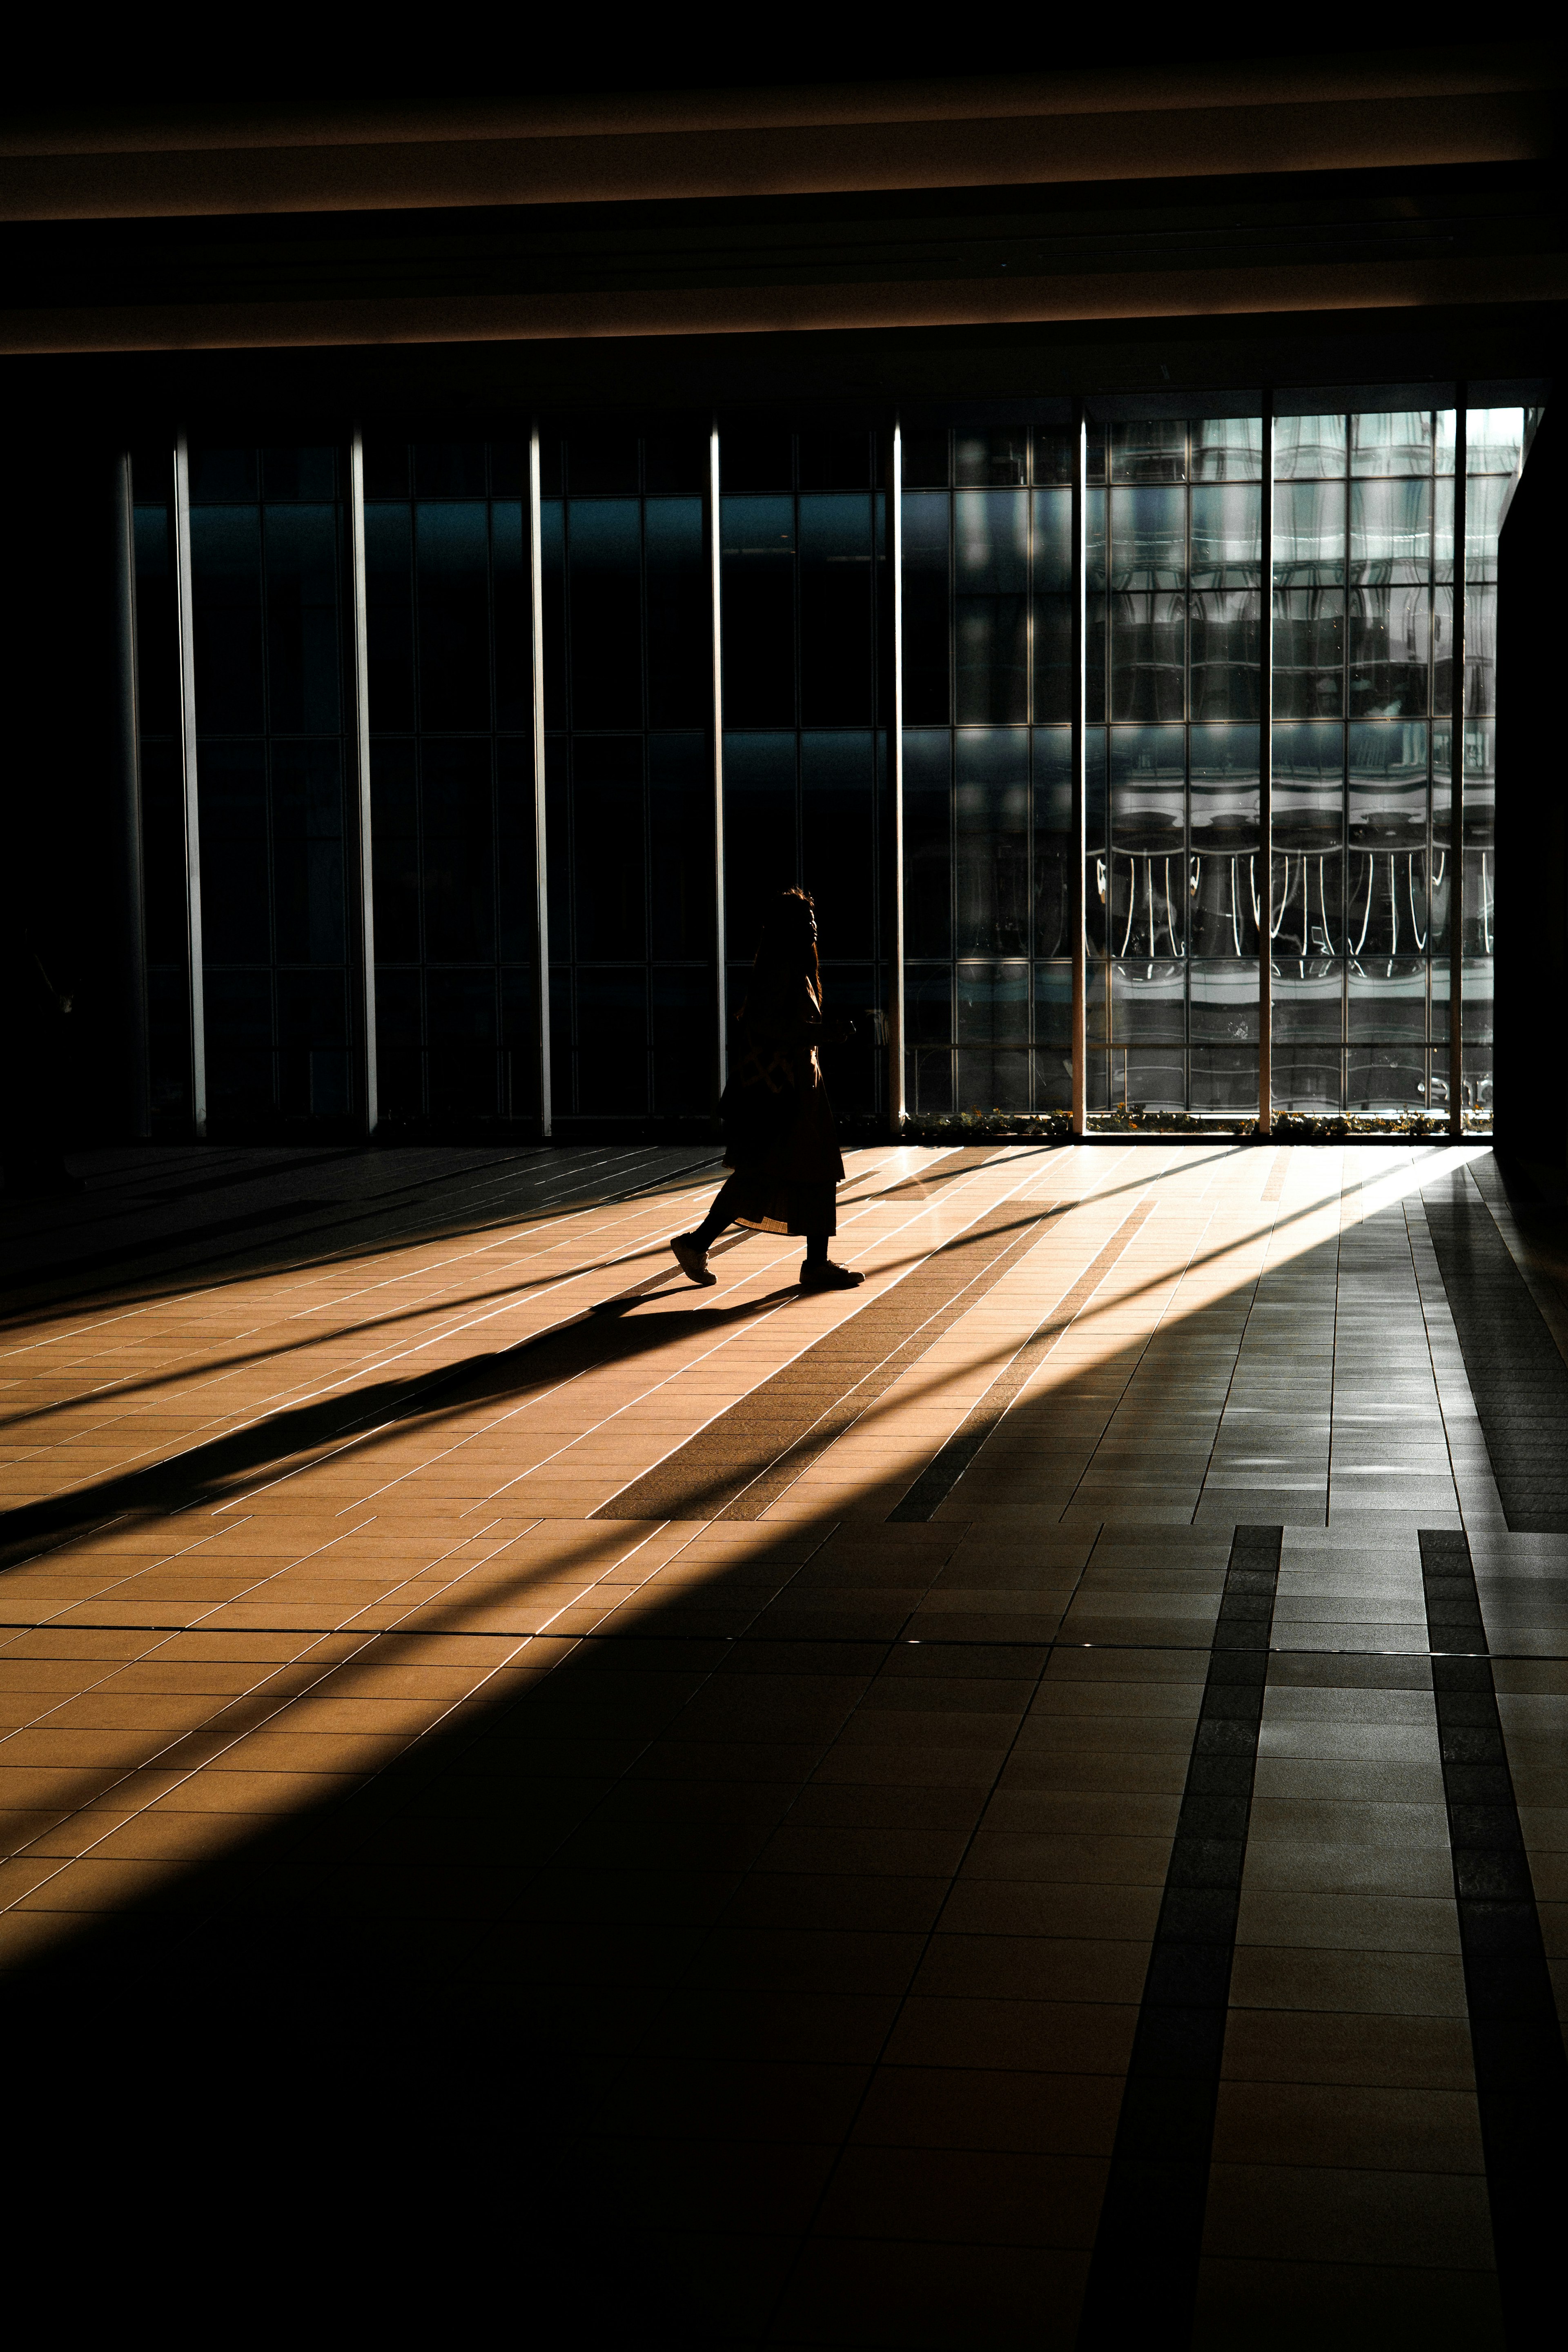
[676,1789]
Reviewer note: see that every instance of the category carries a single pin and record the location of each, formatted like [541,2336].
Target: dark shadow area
[617,1995]
[1516,1371]
[543,1183]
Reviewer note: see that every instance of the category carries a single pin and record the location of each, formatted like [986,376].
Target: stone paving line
[994,1704]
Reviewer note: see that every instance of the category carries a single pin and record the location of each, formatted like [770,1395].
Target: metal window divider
[1457,784]
[541,842]
[1077,814]
[893,948]
[721,943]
[1265,784]
[133,906]
[185,623]
[364,844]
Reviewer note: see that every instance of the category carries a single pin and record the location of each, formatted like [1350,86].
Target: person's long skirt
[790,1188]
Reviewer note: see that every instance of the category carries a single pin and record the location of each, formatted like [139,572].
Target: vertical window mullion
[540,837]
[1265,778]
[184,610]
[1456,782]
[891,946]
[364,838]
[1079,847]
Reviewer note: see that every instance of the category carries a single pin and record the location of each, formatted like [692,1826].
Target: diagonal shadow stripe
[947,1466]
[746,1458]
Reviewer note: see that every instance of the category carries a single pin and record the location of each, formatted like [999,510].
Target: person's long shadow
[599,1338]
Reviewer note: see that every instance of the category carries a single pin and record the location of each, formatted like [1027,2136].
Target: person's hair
[786,943]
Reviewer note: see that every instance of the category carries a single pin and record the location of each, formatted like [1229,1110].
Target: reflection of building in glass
[1358,869]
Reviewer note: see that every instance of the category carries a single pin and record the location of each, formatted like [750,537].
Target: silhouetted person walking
[780,1134]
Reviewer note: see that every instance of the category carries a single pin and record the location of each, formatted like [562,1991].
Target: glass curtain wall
[803,539]
[1363,896]
[1360,856]
[452,717]
[274,746]
[629,699]
[1495,440]
[987,563]
[162,790]
[1173,798]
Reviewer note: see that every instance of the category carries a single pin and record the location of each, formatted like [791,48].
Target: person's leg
[820,1273]
[691,1249]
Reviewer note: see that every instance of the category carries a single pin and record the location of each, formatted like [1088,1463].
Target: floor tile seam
[552,1388]
[809,2232]
[234,1600]
[175,1303]
[906,1338]
[403,1629]
[336,1337]
[357,1375]
[1031,1353]
[324,1259]
[148,1763]
[1236,1357]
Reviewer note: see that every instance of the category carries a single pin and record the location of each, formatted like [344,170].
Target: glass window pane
[997,455]
[758,537]
[449,469]
[1391,530]
[1387,997]
[761,842]
[1150,450]
[991,552]
[1310,535]
[1225,654]
[1148,539]
[303,635]
[1399,441]
[1053,1004]
[457,806]
[1149,1000]
[451,560]
[1309,653]
[1308,448]
[1309,903]
[1309,998]
[928,842]
[837,773]
[926,608]
[1494,440]
[680,638]
[1389,651]
[1228,545]
[992,868]
[1227,449]
[837,675]
[226,580]
[1148,771]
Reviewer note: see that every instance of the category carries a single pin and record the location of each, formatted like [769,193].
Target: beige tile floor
[825,1852]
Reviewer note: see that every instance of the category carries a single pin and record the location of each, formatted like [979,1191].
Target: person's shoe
[692,1259]
[828,1276]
